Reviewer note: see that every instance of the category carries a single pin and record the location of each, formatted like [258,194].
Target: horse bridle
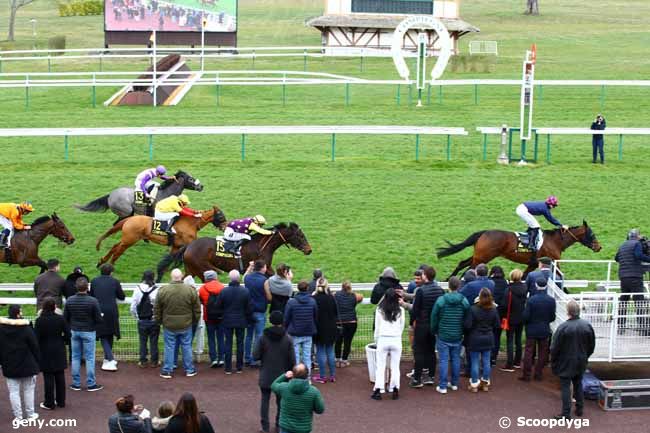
[581,241]
[284,240]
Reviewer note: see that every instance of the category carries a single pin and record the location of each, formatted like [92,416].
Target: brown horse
[490,244]
[24,244]
[137,228]
[201,255]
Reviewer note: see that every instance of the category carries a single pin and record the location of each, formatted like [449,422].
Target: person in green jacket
[299,400]
[447,318]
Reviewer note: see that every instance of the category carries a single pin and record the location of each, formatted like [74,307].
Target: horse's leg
[461,265]
[163,265]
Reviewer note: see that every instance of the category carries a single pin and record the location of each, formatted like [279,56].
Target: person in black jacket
[235,302]
[573,343]
[481,323]
[53,333]
[538,316]
[107,290]
[70,289]
[326,331]
[49,283]
[387,280]
[630,257]
[424,342]
[515,300]
[500,285]
[19,356]
[275,351]
[187,418]
[597,141]
[129,418]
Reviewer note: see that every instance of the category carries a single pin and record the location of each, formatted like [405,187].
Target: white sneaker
[452,387]
[33,416]
[109,365]
[440,390]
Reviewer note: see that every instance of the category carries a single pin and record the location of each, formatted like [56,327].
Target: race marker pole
[203,24]
[420,77]
[526,103]
[155,75]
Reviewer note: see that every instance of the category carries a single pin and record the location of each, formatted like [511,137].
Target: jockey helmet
[161,169]
[259,219]
[26,207]
[552,201]
[184,199]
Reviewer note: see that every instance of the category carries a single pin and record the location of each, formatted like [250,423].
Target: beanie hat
[209,275]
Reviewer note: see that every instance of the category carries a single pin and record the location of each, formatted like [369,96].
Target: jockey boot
[532,239]
[170,238]
[4,237]
[232,246]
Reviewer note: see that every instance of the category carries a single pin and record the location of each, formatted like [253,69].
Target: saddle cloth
[158,227]
[220,249]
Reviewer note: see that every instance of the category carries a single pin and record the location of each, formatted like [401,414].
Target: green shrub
[81,8]
[56,43]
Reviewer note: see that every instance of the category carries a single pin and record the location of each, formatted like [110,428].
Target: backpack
[590,386]
[214,313]
[145,307]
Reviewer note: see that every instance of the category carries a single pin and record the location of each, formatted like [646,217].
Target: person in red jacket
[212,286]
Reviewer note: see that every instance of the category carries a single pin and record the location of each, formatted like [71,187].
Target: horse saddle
[523,242]
[141,204]
[227,249]
[158,227]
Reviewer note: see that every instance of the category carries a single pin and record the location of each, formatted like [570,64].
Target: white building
[350,26]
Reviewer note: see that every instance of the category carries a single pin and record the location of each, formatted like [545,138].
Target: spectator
[19,356]
[235,302]
[389,326]
[107,290]
[516,302]
[177,307]
[543,271]
[387,280]
[424,342]
[49,284]
[299,398]
[83,314]
[70,289]
[471,289]
[481,323]
[346,304]
[278,288]
[326,331]
[275,352]
[597,141]
[254,281]
[313,284]
[187,418]
[160,421]
[500,285]
[209,295]
[416,281]
[538,316]
[468,277]
[630,272]
[53,334]
[573,343]
[144,297]
[447,320]
[300,317]
[129,418]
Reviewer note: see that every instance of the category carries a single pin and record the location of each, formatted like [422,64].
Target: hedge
[81,8]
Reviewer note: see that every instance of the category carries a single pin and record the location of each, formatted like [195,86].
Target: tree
[15,5]
[532,8]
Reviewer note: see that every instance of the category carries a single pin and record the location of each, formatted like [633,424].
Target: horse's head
[219,219]
[293,235]
[60,231]
[188,182]
[588,238]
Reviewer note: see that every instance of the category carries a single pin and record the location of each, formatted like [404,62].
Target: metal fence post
[49,63]
[304,60]
[417,147]
[284,89]
[536,146]
[333,147]
[65,147]
[429,94]
[253,59]
[548,148]
[94,93]
[485,142]
[399,96]
[440,93]
[101,63]
[475,94]
[620,147]
[361,61]
[27,91]
[217,88]
[150,147]
[243,147]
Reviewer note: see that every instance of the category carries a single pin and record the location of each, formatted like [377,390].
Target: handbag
[505,322]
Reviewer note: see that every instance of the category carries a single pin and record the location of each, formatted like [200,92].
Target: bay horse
[138,227]
[200,255]
[120,201]
[490,244]
[24,244]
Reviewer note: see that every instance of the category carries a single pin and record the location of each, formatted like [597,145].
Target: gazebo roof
[381,21]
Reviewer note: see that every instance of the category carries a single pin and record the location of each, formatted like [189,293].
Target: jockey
[239,230]
[11,218]
[528,209]
[170,208]
[145,180]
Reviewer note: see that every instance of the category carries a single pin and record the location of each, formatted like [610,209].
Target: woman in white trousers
[389,326]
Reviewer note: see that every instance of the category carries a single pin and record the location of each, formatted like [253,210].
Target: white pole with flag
[203,24]
[155,60]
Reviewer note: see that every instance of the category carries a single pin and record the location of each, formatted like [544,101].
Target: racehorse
[201,255]
[490,244]
[120,201]
[138,227]
[24,244]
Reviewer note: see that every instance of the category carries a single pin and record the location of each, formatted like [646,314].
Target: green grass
[374,206]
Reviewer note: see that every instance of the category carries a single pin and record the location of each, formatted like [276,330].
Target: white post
[526,103]
[203,23]
[33,21]
[421,65]
[503,156]
[155,76]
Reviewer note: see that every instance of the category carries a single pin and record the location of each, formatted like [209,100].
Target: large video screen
[171,15]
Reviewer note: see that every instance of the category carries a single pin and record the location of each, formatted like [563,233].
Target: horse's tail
[454,248]
[116,228]
[98,205]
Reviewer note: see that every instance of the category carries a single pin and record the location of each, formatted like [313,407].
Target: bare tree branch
[15,5]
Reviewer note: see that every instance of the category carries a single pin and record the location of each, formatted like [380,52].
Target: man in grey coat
[573,343]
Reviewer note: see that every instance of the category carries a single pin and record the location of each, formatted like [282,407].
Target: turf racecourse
[231,403]
[374,206]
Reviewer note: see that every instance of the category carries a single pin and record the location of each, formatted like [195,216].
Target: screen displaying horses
[171,15]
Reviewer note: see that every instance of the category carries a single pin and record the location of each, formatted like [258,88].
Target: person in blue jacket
[527,212]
